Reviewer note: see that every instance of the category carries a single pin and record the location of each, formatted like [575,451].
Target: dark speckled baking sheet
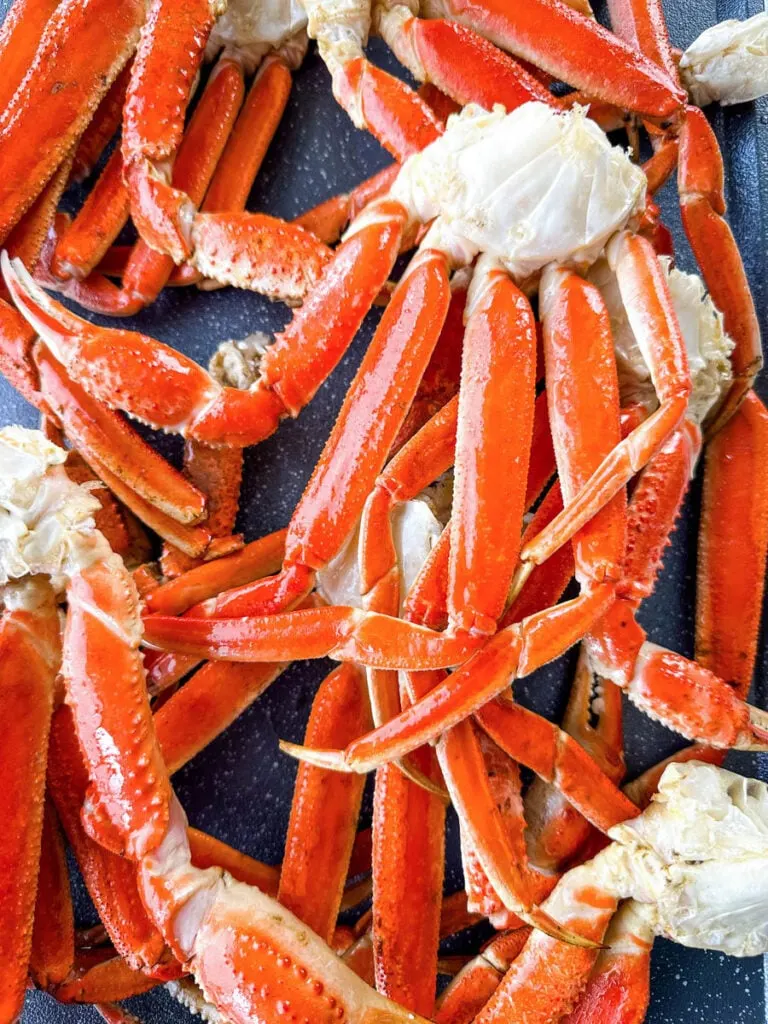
[239,789]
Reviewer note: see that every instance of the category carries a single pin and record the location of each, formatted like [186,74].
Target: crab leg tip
[332,759]
[540,919]
[759,722]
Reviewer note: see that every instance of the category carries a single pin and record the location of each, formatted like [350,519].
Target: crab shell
[529,188]
[728,63]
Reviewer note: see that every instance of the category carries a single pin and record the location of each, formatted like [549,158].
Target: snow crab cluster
[470,476]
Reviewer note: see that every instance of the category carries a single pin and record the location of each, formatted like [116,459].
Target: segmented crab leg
[207,703]
[291,371]
[82,242]
[732,546]
[228,933]
[573,48]
[260,558]
[245,150]
[107,980]
[111,881]
[29,662]
[458,61]
[95,431]
[649,308]
[729,603]
[324,812]
[66,83]
[702,205]
[328,219]
[557,829]
[217,472]
[169,54]
[53,948]
[642,25]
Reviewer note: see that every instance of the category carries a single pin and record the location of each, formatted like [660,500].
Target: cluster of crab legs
[484,603]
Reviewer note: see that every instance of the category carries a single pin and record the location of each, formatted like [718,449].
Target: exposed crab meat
[46,520]
[528,188]
[250,29]
[728,63]
[707,345]
[699,856]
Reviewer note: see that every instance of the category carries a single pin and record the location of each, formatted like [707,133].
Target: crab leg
[259,558]
[557,828]
[29,657]
[325,808]
[111,881]
[217,472]
[209,702]
[66,83]
[495,424]
[329,219]
[53,949]
[96,432]
[169,54]
[642,25]
[729,603]
[474,985]
[28,238]
[147,270]
[700,184]
[83,242]
[106,981]
[101,128]
[245,150]
[573,48]
[292,369]
[456,60]
[408,864]
[732,546]
[618,990]
[228,933]
[649,307]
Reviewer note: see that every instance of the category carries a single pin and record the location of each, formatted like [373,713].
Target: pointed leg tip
[320,758]
[758,720]
[540,919]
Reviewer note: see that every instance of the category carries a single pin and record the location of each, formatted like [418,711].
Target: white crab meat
[529,188]
[708,346]
[698,856]
[237,364]
[250,29]
[46,520]
[728,63]
[415,529]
